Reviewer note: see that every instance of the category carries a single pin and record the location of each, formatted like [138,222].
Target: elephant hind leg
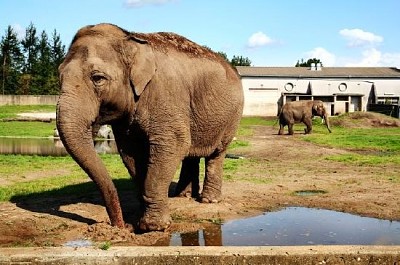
[213,178]
[189,175]
[308,123]
[281,128]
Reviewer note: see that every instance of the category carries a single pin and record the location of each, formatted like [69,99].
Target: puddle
[79,243]
[295,226]
[309,192]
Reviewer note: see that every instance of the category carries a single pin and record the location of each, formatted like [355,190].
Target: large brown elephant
[167,99]
[302,111]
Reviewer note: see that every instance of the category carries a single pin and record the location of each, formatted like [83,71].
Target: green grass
[11,111]
[25,129]
[382,139]
[367,159]
[58,172]
[246,124]
[370,145]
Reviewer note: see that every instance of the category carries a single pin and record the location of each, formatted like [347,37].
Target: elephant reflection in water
[105,147]
[212,237]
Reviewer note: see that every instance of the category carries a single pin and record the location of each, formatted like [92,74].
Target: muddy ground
[280,166]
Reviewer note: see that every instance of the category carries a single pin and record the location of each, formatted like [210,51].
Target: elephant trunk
[75,118]
[326,119]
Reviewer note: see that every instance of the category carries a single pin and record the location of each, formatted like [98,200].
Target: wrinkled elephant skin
[167,100]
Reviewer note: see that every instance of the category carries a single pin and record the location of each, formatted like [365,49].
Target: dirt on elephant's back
[274,168]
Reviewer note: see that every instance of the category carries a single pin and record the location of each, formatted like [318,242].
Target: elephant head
[318,109]
[105,69]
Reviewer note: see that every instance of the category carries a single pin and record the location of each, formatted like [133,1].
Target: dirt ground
[280,166]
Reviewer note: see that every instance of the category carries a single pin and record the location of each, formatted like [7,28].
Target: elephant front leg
[290,129]
[159,175]
[189,175]
[213,178]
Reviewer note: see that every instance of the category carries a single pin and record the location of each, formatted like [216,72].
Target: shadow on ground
[50,202]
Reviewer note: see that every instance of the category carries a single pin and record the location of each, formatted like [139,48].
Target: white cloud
[370,57]
[358,37]
[141,3]
[391,60]
[258,39]
[327,58]
[375,58]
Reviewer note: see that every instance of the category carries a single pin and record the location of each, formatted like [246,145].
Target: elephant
[167,99]
[302,111]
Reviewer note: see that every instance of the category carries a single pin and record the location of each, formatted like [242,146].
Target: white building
[343,89]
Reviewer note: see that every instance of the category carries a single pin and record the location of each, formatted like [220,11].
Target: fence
[390,110]
[28,100]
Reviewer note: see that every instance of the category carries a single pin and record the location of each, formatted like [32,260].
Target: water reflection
[296,226]
[47,146]
[209,236]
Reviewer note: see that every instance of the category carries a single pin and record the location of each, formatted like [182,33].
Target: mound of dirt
[364,120]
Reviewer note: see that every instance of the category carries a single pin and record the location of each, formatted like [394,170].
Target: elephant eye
[98,79]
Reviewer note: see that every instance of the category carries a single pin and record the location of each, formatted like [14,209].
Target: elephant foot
[210,199]
[129,227]
[155,222]
[185,194]
[188,192]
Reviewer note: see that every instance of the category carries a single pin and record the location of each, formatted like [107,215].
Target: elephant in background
[302,111]
[167,100]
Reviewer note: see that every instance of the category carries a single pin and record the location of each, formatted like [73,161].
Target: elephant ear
[142,64]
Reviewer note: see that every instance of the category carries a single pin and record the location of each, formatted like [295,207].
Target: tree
[11,58]
[240,61]
[236,60]
[57,50]
[57,55]
[308,63]
[42,68]
[30,66]
[30,47]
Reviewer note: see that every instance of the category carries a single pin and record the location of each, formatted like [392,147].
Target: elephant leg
[290,128]
[189,175]
[213,178]
[160,171]
[281,128]
[125,147]
[308,123]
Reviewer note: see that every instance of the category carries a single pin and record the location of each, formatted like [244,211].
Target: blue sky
[269,33]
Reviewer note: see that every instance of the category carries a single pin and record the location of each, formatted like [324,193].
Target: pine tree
[11,58]
[57,55]
[30,47]
[240,61]
[42,68]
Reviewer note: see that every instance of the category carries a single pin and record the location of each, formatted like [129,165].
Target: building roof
[325,72]
[387,89]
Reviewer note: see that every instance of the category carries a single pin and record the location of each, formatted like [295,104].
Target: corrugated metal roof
[326,72]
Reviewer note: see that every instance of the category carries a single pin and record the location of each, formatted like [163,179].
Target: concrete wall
[28,100]
[293,255]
